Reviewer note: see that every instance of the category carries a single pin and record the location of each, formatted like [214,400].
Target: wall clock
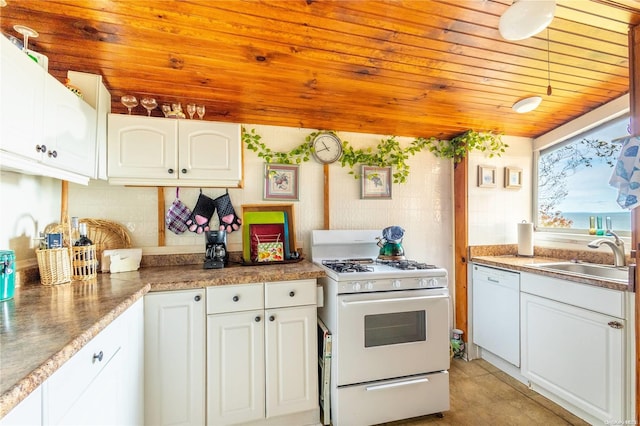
[327,147]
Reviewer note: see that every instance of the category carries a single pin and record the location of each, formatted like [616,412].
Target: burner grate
[406,264]
[348,265]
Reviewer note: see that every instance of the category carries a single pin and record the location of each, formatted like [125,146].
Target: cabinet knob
[197,298]
[98,356]
[41,148]
[170,171]
[272,318]
[236,298]
[183,171]
[53,154]
[292,293]
[615,324]
[258,318]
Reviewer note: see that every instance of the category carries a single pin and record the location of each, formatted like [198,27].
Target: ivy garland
[387,153]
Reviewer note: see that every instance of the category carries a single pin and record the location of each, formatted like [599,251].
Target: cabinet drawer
[290,293]
[67,384]
[234,298]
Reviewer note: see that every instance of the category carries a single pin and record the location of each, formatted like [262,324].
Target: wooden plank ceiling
[414,68]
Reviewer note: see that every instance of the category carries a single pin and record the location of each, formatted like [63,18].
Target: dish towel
[626,174]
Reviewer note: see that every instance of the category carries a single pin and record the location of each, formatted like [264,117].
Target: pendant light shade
[525,18]
[527,104]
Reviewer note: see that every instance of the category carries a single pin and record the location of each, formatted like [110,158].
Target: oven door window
[394,328]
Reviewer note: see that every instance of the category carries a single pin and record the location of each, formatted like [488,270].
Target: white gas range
[390,330]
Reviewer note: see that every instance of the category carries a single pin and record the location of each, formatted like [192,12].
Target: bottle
[592,225]
[599,229]
[75,230]
[83,240]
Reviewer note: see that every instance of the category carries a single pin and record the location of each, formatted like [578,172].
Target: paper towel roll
[525,239]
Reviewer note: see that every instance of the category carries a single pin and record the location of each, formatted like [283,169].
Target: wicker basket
[84,262]
[54,266]
[104,234]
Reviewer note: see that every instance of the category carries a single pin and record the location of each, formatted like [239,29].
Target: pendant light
[525,18]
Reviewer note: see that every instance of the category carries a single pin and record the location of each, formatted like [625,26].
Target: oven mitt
[177,215]
[201,215]
[229,220]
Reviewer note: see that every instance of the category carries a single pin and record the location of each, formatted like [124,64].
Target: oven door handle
[396,384]
[392,299]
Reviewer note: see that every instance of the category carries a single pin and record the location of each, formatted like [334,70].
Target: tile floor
[481,394]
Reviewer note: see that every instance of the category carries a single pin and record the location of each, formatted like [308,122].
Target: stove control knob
[369,285]
[396,283]
[433,282]
[356,286]
[422,282]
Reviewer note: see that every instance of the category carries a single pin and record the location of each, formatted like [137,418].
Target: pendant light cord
[549,90]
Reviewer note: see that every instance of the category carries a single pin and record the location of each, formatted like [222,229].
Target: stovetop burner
[349,265]
[365,264]
[406,264]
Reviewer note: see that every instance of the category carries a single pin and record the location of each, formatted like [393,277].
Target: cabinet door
[235,375]
[174,324]
[209,150]
[22,86]
[142,147]
[574,353]
[27,413]
[292,360]
[69,130]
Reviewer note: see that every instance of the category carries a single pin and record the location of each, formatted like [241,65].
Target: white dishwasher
[496,312]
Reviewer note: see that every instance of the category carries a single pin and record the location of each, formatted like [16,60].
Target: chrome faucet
[617,246]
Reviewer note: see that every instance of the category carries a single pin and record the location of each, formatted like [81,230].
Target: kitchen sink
[587,269]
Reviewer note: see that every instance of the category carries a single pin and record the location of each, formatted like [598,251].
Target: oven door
[391,334]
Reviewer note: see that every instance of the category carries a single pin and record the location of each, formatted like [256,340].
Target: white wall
[29,203]
[495,212]
[422,205]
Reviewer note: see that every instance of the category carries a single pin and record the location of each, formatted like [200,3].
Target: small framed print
[512,177]
[376,182]
[280,182]
[486,176]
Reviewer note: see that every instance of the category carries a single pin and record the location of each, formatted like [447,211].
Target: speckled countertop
[43,327]
[506,257]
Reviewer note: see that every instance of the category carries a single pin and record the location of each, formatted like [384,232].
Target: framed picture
[486,176]
[280,182]
[512,177]
[376,182]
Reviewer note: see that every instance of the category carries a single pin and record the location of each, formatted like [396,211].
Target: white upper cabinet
[45,129]
[70,130]
[168,152]
[22,85]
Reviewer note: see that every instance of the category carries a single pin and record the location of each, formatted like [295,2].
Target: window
[573,181]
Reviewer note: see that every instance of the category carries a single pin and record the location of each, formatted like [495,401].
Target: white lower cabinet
[174,347]
[572,353]
[27,413]
[262,354]
[102,383]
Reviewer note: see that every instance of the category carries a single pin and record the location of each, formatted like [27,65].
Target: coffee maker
[216,255]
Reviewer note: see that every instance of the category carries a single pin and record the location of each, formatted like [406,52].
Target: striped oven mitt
[177,215]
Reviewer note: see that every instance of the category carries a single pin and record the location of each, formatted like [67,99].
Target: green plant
[387,153]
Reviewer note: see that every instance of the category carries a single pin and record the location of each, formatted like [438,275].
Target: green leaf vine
[387,153]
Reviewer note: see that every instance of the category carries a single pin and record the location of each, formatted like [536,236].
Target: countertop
[42,327]
[522,264]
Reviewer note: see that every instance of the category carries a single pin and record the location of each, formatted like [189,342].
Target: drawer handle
[41,148]
[98,356]
[236,298]
[272,318]
[170,171]
[258,318]
[615,324]
[184,171]
[292,293]
[53,154]
[197,298]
